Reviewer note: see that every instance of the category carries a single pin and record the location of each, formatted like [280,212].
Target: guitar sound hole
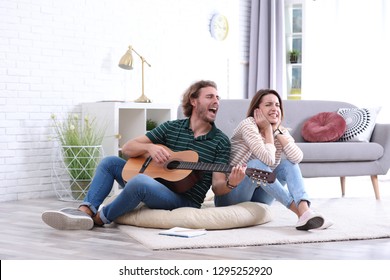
[173,164]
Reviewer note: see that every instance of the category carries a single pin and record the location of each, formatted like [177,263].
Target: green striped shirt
[214,147]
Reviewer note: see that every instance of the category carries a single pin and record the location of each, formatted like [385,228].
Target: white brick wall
[55,55]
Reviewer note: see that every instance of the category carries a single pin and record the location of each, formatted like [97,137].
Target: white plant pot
[73,169]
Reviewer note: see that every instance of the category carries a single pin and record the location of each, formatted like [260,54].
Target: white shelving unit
[126,120]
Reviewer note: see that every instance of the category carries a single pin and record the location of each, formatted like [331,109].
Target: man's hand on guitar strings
[159,154]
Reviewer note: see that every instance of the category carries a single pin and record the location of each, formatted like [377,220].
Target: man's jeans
[140,188]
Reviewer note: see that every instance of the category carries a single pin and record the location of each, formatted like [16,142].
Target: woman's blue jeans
[249,190]
[140,188]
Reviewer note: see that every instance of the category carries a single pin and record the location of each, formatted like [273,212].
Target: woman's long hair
[256,100]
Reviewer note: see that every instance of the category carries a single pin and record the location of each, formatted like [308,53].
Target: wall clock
[219,27]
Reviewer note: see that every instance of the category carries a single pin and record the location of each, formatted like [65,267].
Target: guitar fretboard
[258,175]
[200,166]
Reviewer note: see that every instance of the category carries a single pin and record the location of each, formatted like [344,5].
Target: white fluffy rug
[354,218]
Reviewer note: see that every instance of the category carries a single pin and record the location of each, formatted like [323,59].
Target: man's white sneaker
[309,220]
[67,219]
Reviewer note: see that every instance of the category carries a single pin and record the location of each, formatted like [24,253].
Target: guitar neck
[202,166]
[256,174]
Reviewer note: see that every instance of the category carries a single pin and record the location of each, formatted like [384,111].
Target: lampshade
[126,62]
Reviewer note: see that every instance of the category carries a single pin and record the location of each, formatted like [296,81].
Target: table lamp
[126,62]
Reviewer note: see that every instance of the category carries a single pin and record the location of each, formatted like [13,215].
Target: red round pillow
[324,127]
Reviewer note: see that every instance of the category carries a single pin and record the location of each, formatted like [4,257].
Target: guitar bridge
[145,164]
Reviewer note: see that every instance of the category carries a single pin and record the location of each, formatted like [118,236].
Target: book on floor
[183,232]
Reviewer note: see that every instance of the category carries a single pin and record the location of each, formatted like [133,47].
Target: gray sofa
[325,159]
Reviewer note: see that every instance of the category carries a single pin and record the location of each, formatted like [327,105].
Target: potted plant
[294,56]
[150,124]
[80,150]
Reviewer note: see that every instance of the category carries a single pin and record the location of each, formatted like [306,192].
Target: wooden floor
[23,236]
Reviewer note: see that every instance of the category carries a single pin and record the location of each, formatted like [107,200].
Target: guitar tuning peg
[260,182]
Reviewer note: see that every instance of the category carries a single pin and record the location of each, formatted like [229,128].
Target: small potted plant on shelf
[80,151]
[150,124]
[293,56]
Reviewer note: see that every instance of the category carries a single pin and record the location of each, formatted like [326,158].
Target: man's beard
[203,115]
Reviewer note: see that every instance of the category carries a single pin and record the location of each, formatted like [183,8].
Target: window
[294,36]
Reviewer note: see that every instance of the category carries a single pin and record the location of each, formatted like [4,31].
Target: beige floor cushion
[208,217]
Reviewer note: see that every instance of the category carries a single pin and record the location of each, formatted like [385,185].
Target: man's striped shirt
[213,147]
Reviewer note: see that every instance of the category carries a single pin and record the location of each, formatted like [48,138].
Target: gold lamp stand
[126,62]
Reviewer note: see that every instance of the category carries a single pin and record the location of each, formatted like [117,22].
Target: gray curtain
[267,47]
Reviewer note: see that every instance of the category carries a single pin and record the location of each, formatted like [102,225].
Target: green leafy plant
[294,55]
[81,144]
[150,124]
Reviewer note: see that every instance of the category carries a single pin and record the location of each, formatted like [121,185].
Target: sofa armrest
[381,135]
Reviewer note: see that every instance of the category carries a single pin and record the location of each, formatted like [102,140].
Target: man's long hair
[192,93]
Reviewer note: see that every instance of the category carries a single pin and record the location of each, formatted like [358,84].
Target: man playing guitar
[197,132]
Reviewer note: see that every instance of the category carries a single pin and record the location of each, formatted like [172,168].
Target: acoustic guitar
[183,170]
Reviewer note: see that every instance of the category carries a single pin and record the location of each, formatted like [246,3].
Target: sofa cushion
[340,151]
[360,123]
[324,127]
